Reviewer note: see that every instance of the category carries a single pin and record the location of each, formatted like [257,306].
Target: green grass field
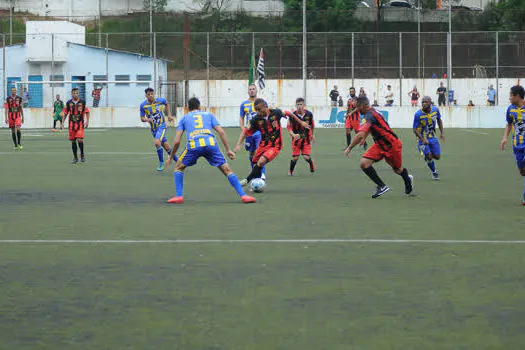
[249,294]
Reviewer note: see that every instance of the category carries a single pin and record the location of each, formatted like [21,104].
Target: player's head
[58,97]
[426,103]
[74,93]
[389,87]
[13,91]
[299,104]
[352,91]
[194,104]
[517,93]
[363,104]
[150,94]
[252,91]
[261,107]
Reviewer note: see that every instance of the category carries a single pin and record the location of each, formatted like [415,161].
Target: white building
[63,56]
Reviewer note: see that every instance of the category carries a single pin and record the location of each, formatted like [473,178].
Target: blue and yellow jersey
[199,129]
[516,117]
[156,111]
[247,111]
[425,123]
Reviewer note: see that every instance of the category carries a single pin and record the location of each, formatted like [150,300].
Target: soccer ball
[258,185]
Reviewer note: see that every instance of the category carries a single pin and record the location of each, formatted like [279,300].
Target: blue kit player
[154,111]
[246,113]
[425,121]
[516,119]
[201,142]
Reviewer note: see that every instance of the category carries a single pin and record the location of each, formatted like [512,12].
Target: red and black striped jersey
[14,106]
[305,134]
[373,122]
[76,111]
[270,128]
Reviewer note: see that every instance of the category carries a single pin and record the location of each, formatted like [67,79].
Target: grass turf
[259,295]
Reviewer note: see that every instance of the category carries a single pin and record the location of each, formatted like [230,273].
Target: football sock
[431,165]
[365,145]
[234,181]
[13,135]
[19,135]
[292,165]
[178,178]
[372,174]
[160,153]
[310,162]
[74,147]
[255,174]
[348,139]
[404,175]
[81,145]
[54,124]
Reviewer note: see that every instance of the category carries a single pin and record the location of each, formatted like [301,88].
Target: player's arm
[440,125]
[358,139]
[241,117]
[297,119]
[64,114]
[224,140]
[508,129]
[290,130]
[143,117]
[416,127]
[87,115]
[168,111]
[6,108]
[175,146]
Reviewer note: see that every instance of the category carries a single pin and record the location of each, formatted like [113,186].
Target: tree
[156,5]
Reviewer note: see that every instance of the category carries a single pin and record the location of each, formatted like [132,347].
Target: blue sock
[234,181]
[178,178]
[524,187]
[263,170]
[160,153]
[431,165]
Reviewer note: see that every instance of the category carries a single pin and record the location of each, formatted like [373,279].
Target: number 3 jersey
[199,129]
[516,117]
[156,111]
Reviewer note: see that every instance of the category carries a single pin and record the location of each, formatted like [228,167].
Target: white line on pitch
[260,241]
[474,132]
[63,153]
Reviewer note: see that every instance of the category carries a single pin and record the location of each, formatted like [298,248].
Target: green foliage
[157,5]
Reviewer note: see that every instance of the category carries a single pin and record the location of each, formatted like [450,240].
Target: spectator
[441,92]
[25,98]
[96,95]
[389,96]
[334,94]
[375,104]
[362,92]
[340,102]
[470,104]
[434,76]
[414,96]
[491,95]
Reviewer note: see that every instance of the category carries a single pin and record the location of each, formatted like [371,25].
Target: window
[146,78]
[100,78]
[122,78]
[57,77]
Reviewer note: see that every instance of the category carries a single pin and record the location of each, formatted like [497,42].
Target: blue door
[36,92]
[80,86]
[11,84]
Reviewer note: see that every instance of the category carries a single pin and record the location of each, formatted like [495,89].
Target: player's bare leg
[256,171]
[81,146]
[366,165]
[235,183]
[310,162]
[167,148]
[407,178]
[293,162]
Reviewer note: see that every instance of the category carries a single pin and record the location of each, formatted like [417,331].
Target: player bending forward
[516,118]
[425,121]
[302,138]
[268,122]
[386,145]
[201,142]
[78,112]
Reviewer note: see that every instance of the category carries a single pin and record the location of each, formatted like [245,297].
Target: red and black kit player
[302,138]
[14,117]
[78,112]
[268,122]
[386,146]
[353,118]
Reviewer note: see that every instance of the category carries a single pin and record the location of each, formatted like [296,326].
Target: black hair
[362,101]
[259,101]
[74,89]
[299,99]
[351,87]
[194,104]
[517,90]
[148,90]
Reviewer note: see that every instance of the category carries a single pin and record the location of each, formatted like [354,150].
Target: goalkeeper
[58,106]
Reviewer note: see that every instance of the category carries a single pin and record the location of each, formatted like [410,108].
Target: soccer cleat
[435,176]
[290,173]
[54,130]
[263,176]
[20,147]
[523,200]
[410,187]
[312,167]
[74,161]
[176,200]
[83,159]
[161,167]
[381,190]
[244,182]
[15,148]
[248,199]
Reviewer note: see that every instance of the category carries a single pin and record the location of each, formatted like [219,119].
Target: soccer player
[516,118]
[302,138]
[424,127]
[386,146]
[268,122]
[201,142]
[14,117]
[58,106]
[78,112]
[153,111]
[247,112]
[353,118]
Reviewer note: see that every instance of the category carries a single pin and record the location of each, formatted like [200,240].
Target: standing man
[441,92]
[58,106]
[389,96]
[302,138]
[14,117]
[78,112]
[491,95]
[516,119]
[246,113]
[334,95]
[96,95]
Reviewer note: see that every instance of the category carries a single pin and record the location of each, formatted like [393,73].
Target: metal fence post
[497,68]
[52,66]
[353,59]
[208,70]
[304,50]
[155,73]
[107,69]
[400,69]
[4,83]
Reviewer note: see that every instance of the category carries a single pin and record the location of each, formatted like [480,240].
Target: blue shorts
[212,154]
[160,134]
[432,147]
[519,153]
[252,142]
